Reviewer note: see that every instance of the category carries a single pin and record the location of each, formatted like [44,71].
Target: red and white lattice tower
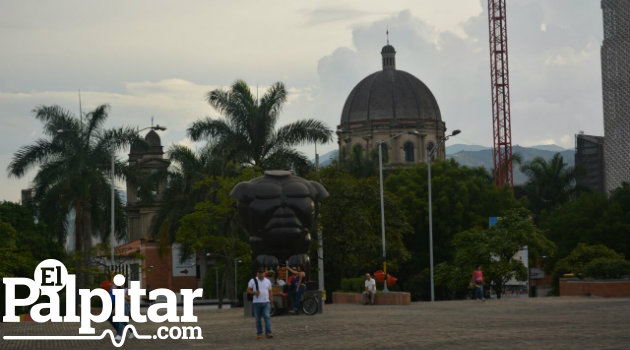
[501,125]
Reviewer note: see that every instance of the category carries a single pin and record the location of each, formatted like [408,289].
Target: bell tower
[148,160]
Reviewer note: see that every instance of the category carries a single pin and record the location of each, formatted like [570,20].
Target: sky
[158,59]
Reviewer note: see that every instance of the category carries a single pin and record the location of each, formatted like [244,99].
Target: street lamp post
[380,176]
[429,159]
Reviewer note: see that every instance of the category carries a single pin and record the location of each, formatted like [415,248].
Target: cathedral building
[394,108]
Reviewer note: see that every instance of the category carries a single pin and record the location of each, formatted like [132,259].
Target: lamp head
[455,132]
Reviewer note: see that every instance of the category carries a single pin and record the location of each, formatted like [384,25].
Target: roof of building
[390,94]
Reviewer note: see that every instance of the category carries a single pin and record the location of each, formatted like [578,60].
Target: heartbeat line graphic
[129,327]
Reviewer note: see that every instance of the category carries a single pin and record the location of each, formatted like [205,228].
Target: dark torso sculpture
[279,211]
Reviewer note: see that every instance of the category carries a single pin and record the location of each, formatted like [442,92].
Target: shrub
[353,285]
[607,268]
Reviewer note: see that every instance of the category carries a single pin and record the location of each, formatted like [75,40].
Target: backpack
[250,297]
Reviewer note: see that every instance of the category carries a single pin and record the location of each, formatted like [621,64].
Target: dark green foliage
[494,249]
[607,268]
[351,221]
[463,198]
[353,285]
[25,243]
[590,219]
[360,164]
[550,183]
[581,256]
[213,227]
[74,164]
[184,189]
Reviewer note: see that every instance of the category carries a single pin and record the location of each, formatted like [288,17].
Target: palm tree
[183,190]
[248,134]
[74,161]
[550,183]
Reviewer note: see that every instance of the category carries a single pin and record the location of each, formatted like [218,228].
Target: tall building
[589,156]
[616,92]
[396,108]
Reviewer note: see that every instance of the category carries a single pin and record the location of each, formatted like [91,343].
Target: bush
[607,268]
[353,285]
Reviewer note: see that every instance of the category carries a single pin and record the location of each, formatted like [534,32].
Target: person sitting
[370,289]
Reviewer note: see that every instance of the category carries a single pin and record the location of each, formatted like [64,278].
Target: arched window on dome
[408,147]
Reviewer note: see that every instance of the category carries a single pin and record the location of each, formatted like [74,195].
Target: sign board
[184,268]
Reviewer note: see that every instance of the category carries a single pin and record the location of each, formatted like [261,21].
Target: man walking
[260,287]
[370,289]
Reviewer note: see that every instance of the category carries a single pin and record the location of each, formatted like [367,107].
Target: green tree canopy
[74,160]
[592,218]
[351,222]
[550,183]
[494,249]
[25,242]
[213,227]
[592,261]
[463,198]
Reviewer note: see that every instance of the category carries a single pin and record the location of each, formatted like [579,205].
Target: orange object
[391,280]
[379,276]
[107,285]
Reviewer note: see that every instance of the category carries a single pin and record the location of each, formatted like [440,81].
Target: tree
[31,242]
[213,226]
[550,183]
[183,191]
[463,198]
[596,261]
[248,135]
[351,227]
[74,161]
[361,163]
[495,249]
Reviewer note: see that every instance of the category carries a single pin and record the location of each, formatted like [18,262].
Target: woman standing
[477,279]
[297,287]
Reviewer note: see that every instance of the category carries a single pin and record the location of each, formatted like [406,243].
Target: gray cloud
[159,58]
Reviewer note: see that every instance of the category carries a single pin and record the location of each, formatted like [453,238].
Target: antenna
[151,122]
[387,33]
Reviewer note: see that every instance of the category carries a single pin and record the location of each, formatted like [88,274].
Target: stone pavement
[536,323]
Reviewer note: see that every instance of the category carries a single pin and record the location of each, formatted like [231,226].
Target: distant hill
[327,158]
[456,148]
[484,158]
[476,156]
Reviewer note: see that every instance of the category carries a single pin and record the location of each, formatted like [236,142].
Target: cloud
[554,73]
[160,59]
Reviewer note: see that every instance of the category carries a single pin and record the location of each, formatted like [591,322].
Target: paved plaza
[535,323]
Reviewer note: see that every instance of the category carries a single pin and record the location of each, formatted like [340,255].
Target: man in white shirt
[370,289]
[260,287]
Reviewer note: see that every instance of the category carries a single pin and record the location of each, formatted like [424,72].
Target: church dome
[390,94]
[153,139]
[152,144]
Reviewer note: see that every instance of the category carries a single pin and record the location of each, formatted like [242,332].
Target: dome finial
[389,54]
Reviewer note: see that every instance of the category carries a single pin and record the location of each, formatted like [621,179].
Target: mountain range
[475,156]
